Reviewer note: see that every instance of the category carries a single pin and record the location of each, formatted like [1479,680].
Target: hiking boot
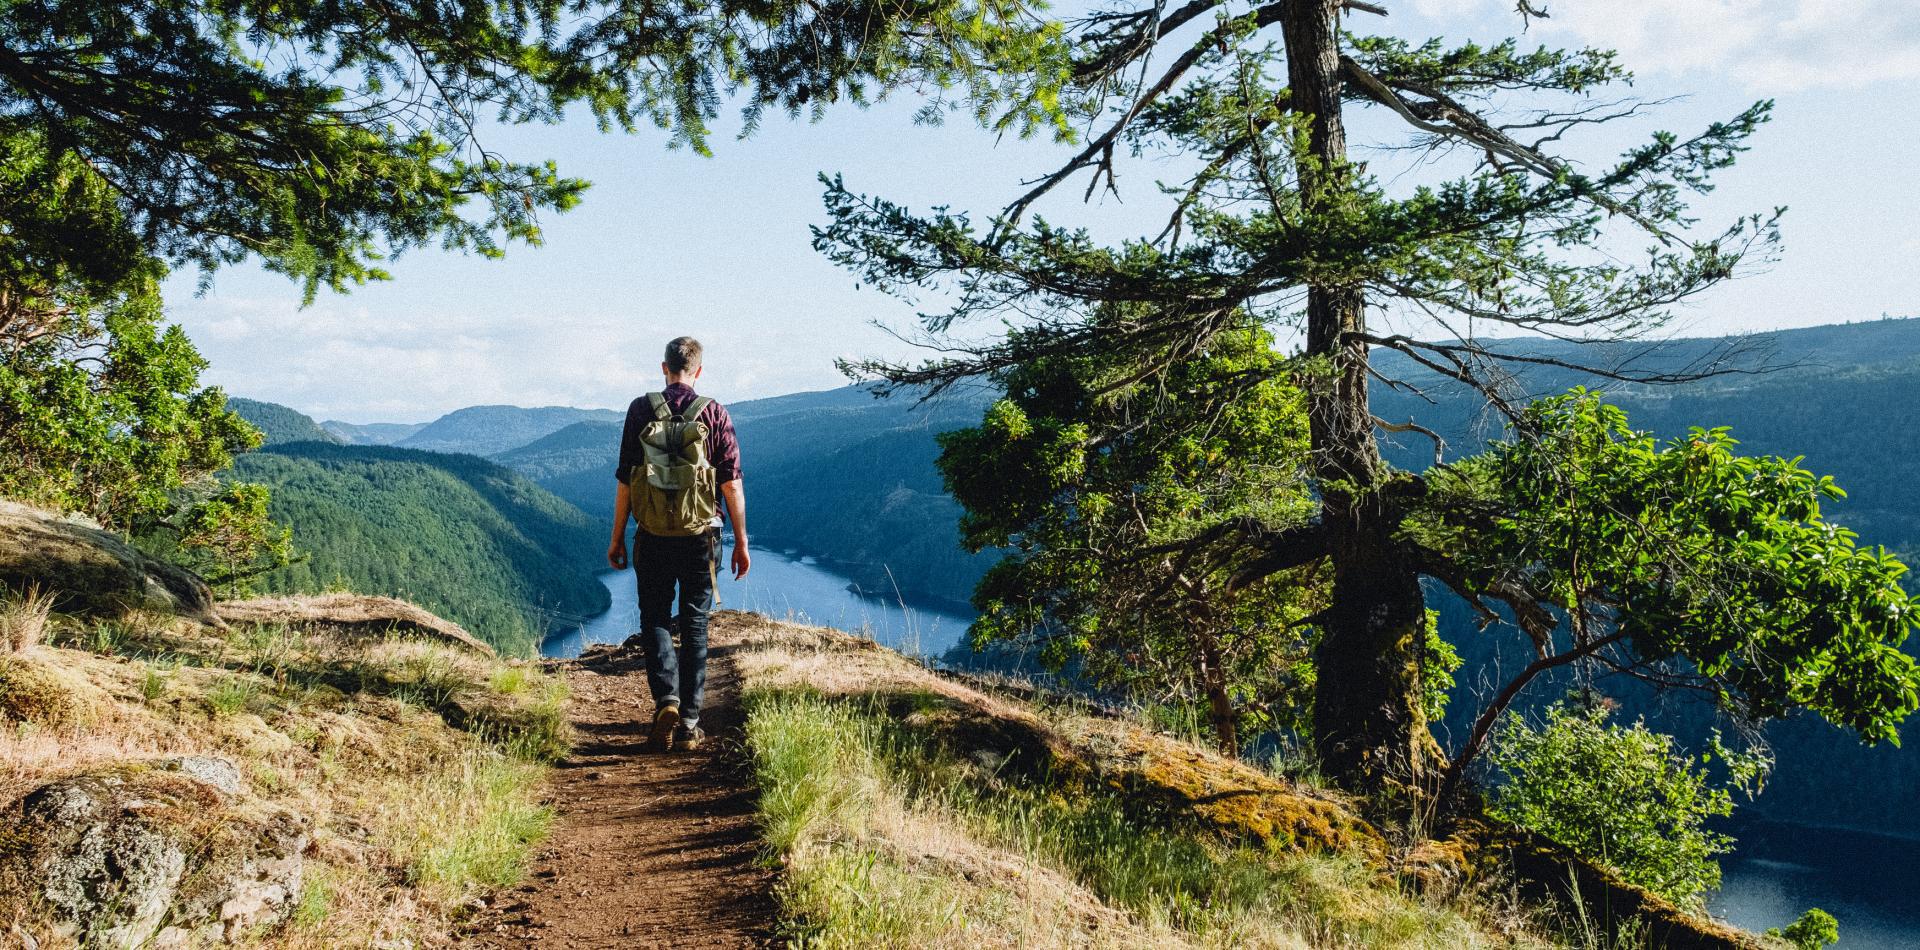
[687,738]
[666,721]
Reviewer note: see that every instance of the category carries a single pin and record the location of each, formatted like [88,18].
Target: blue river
[1870,882]
[785,587]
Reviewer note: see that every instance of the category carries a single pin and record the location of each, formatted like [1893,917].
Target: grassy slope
[909,811]
[460,535]
[411,817]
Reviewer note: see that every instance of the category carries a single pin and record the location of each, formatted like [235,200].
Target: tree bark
[1213,680]
[1369,729]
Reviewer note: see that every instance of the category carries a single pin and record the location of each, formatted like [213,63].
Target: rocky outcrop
[92,572]
[1242,803]
[162,853]
[352,615]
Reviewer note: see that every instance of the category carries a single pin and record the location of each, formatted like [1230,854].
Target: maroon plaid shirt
[723,447]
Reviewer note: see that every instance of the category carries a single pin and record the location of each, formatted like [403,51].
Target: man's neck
[673,381]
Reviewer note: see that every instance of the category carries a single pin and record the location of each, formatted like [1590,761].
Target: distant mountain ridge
[372,433]
[278,423]
[487,430]
[837,473]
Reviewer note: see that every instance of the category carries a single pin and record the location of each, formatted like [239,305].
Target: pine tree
[1508,233]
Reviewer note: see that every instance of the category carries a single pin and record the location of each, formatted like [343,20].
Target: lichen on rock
[161,853]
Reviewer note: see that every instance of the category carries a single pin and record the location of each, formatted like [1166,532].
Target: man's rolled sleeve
[723,446]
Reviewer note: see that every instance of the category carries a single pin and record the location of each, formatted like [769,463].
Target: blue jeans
[661,564]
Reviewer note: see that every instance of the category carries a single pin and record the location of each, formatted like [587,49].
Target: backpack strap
[659,403]
[694,408]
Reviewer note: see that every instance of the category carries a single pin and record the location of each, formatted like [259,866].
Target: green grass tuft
[476,826]
[231,695]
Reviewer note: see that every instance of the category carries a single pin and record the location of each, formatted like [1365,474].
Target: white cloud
[1768,46]
[339,360]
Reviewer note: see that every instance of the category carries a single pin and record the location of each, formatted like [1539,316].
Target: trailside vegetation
[101,407]
[1624,794]
[1687,564]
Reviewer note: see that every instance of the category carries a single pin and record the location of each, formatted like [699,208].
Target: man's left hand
[741,561]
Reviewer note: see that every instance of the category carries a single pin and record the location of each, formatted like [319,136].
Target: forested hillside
[465,537]
[279,423]
[575,463]
[849,477]
[487,430]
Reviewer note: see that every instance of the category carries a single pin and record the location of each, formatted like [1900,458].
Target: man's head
[683,360]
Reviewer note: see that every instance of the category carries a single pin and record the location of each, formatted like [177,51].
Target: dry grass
[23,619]
[423,782]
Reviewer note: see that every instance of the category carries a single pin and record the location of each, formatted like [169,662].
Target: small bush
[270,649]
[315,903]
[1815,930]
[429,679]
[1619,795]
[510,680]
[107,637]
[539,731]
[153,684]
[23,620]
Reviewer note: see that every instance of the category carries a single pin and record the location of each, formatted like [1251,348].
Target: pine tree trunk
[1369,730]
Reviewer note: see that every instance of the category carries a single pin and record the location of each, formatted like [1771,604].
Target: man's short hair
[683,355]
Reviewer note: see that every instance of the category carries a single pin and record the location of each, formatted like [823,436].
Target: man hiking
[678,458]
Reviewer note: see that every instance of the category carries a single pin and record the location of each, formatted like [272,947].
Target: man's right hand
[617,553]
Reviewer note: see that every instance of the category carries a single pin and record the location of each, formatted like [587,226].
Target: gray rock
[92,572]
[158,854]
[213,770]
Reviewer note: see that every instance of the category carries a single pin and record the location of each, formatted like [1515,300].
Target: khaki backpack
[674,492]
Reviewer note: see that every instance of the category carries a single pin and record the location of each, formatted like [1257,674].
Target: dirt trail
[650,850]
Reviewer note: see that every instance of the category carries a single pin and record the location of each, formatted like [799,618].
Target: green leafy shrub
[1815,930]
[1619,795]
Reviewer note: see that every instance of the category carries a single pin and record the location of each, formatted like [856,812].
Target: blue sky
[668,242]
